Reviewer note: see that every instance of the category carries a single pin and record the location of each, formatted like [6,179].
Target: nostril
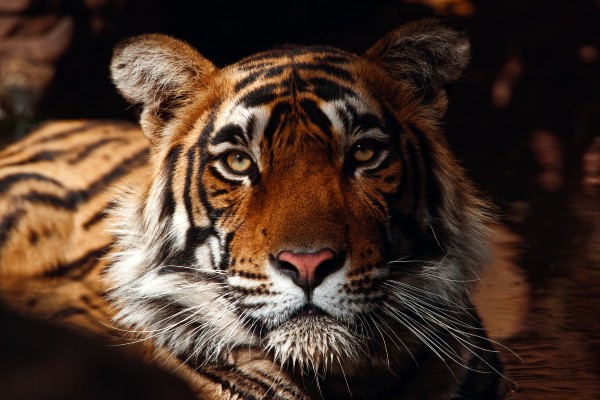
[288,269]
[327,268]
[308,269]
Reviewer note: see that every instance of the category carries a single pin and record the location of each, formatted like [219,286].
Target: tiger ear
[160,74]
[430,53]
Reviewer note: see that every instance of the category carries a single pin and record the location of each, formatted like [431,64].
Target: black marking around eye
[230,133]
[384,163]
[365,122]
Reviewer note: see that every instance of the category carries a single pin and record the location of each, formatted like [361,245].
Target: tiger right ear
[430,53]
[161,74]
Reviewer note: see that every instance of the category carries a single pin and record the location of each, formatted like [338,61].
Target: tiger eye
[363,152]
[238,162]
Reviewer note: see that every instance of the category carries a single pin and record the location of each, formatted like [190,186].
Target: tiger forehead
[294,96]
[322,71]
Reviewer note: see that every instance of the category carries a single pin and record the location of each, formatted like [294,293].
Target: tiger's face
[301,201]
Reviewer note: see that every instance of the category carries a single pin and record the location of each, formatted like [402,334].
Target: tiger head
[301,201]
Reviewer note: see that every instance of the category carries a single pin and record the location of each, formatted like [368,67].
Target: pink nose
[302,267]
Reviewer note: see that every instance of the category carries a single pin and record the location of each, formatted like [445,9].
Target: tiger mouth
[309,310]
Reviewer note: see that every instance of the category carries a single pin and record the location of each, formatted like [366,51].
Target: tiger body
[290,226]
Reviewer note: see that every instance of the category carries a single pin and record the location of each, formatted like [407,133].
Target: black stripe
[168,204]
[343,116]
[93,146]
[74,198]
[219,192]
[247,80]
[67,312]
[250,127]
[317,116]
[238,382]
[275,120]
[7,224]
[42,156]
[80,267]
[205,157]
[327,68]
[226,248]
[197,235]
[328,90]
[58,136]
[369,121]
[378,205]
[99,216]
[187,190]
[260,96]
[10,180]
[269,72]
[51,155]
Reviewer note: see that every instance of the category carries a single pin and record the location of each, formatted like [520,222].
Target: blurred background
[525,121]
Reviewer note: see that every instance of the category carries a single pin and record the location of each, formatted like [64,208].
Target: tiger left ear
[429,53]
[159,73]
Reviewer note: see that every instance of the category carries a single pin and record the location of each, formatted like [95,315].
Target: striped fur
[190,253]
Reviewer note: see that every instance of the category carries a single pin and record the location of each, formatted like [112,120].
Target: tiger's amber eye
[363,152]
[238,162]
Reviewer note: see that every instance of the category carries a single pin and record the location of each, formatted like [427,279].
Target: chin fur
[315,344]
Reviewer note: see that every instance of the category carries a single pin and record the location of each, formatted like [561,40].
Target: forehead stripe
[317,116]
[329,90]
[327,68]
[271,72]
[260,96]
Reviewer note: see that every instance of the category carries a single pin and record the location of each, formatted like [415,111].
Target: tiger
[290,226]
